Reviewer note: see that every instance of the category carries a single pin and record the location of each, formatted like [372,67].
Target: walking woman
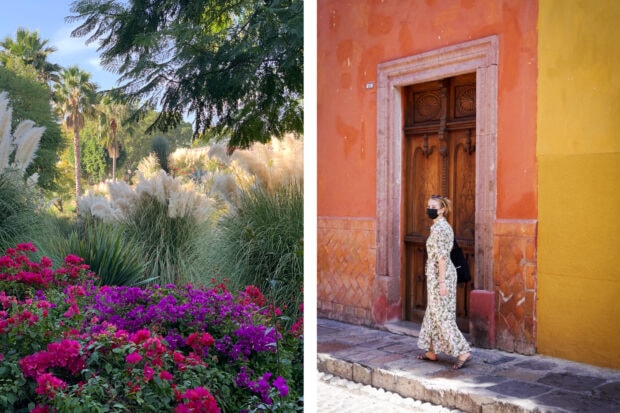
[439,332]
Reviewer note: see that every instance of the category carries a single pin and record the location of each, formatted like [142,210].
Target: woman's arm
[441,263]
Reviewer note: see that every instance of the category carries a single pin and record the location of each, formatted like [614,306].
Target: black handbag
[462,268]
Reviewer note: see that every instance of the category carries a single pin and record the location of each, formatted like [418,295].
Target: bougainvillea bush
[67,345]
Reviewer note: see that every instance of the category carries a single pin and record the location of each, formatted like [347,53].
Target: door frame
[479,56]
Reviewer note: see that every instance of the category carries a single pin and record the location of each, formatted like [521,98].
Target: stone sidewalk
[494,381]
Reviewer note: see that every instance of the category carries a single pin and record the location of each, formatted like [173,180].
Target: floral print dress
[439,323]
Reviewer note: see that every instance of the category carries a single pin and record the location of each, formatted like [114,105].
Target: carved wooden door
[439,158]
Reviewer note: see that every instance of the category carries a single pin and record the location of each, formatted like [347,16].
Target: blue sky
[48,18]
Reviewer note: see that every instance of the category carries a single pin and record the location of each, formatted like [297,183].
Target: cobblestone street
[337,395]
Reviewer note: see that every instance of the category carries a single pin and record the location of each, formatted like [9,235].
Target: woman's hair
[444,203]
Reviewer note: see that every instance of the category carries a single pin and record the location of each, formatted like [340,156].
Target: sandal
[461,363]
[425,357]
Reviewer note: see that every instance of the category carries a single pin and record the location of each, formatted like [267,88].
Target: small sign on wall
[370,85]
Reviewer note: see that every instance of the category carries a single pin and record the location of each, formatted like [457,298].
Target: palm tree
[114,122]
[74,97]
[33,51]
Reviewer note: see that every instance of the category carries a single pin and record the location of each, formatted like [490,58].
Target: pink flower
[166,375]
[148,372]
[46,262]
[73,260]
[49,384]
[297,329]
[26,247]
[40,409]
[140,335]
[133,358]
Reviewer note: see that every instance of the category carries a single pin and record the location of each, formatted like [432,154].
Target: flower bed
[69,346]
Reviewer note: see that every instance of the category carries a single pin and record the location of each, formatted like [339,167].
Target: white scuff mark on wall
[504,298]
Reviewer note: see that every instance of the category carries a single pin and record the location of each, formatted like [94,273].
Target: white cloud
[69,46]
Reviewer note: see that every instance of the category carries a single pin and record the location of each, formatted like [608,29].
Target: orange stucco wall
[356,35]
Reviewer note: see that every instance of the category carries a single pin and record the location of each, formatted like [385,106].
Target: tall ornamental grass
[170,245]
[260,243]
[162,217]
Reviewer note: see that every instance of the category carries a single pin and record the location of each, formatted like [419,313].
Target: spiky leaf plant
[108,252]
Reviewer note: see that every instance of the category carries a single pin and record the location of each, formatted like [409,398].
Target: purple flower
[280,384]
[243,378]
[262,387]
[257,338]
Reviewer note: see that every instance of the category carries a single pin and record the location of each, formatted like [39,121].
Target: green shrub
[261,243]
[18,215]
[161,148]
[105,248]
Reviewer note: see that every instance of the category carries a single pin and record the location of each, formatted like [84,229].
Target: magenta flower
[165,375]
[148,372]
[39,408]
[133,358]
[49,384]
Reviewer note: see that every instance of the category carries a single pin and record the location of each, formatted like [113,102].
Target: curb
[471,400]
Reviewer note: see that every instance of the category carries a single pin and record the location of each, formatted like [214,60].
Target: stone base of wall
[346,249]
[344,313]
[515,279]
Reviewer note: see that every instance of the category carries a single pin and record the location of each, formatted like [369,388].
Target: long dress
[439,323]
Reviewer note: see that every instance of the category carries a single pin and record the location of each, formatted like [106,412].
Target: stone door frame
[479,56]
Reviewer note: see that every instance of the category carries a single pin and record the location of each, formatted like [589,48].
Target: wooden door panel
[439,158]
[463,192]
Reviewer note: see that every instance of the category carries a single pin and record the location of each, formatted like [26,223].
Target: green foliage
[106,250]
[30,100]
[236,66]
[162,150]
[138,145]
[93,161]
[18,209]
[261,243]
[30,50]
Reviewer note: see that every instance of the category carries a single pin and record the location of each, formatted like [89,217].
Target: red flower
[199,341]
[254,295]
[198,400]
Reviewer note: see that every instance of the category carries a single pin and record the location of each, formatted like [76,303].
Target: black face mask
[432,213]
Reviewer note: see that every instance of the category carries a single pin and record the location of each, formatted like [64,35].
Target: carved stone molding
[479,56]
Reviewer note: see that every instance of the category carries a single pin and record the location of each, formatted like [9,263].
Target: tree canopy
[29,49]
[235,67]
[30,100]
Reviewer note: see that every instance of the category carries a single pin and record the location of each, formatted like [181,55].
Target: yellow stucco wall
[578,150]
